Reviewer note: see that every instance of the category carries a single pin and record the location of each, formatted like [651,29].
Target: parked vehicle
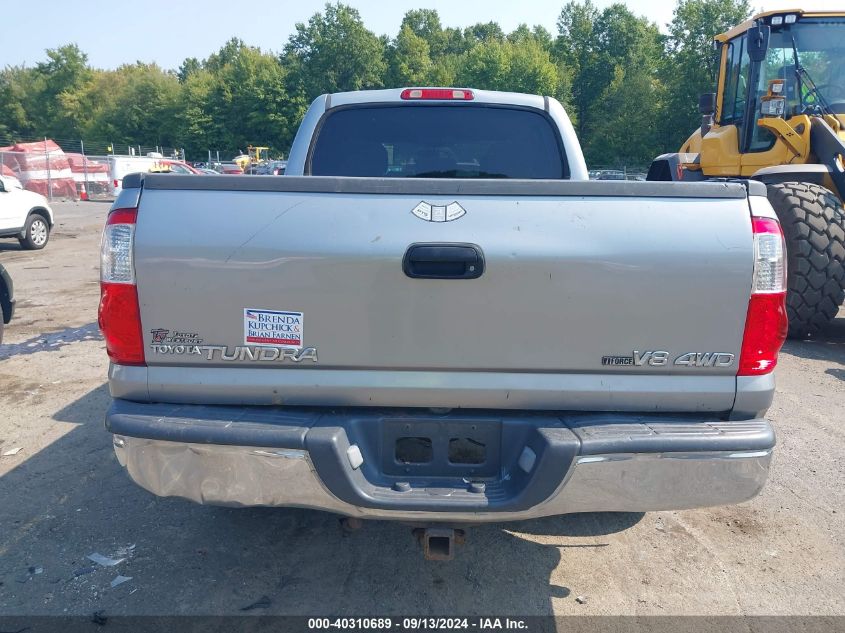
[24,214]
[121,166]
[231,168]
[7,300]
[272,168]
[168,166]
[253,160]
[610,174]
[479,347]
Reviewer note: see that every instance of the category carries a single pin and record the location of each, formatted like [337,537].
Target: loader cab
[797,55]
[778,117]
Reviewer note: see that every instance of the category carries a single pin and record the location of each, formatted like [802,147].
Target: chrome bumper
[254,476]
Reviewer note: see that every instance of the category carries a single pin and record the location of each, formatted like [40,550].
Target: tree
[689,67]
[630,47]
[456,43]
[538,34]
[575,48]
[616,93]
[144,107]
[63,74]
[226,55]
[249,103]
[190,66]
[484,32]
[334,52]
[425,24]
[16,83]
[486,66]
[196,119]
[517,67]
[408,60]
[532,70]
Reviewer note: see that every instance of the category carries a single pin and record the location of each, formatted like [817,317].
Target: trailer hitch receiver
[439,543]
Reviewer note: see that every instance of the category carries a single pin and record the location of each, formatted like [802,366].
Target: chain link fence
[58,175]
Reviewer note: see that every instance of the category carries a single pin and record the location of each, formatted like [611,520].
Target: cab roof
[742,28]
[393,95]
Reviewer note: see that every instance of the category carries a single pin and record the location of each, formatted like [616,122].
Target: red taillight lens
[765,332]
[449,94]
[115,183]
[122,216]
[766,323]
[119,314]
[120,321]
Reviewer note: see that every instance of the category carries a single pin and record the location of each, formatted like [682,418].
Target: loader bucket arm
[830,150]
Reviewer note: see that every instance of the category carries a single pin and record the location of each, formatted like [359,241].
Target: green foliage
[59,77]
[504,65]
[17,92]
[143,105]
[236,98]
[188,68]
[688,67]
[538,34]
[334,52]
[631,91]
[425,24]
[409,60]
[250,104]
[196,119]
[614,56]
[484,32]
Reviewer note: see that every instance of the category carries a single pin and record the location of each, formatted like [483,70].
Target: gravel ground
[63,497]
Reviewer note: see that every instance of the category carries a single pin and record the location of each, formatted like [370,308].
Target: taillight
[449,94]
[766,323]
[119,314]
[115,183]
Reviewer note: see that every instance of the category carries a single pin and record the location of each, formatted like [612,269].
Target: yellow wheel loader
[254,157]
[778,116]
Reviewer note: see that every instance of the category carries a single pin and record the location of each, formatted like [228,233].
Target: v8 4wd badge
[660,358]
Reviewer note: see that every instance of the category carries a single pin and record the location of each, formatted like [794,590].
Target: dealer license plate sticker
[273,328]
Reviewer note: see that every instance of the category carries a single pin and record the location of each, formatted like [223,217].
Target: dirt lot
[63,497]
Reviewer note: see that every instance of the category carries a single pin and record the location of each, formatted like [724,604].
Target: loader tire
[813,222]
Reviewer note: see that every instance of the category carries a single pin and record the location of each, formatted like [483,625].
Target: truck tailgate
[577,278]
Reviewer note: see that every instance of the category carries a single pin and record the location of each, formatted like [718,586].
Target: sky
[115,32]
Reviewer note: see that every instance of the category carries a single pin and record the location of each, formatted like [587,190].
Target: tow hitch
[439,543]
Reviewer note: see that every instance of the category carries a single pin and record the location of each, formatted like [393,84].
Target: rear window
[438,141]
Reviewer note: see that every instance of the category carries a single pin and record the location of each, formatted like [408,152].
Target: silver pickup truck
[490,335]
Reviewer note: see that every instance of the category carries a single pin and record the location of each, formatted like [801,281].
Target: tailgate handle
[443,261]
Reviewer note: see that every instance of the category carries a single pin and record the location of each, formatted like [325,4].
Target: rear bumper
[253,456]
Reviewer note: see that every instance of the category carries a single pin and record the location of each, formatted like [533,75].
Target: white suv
[25,215]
